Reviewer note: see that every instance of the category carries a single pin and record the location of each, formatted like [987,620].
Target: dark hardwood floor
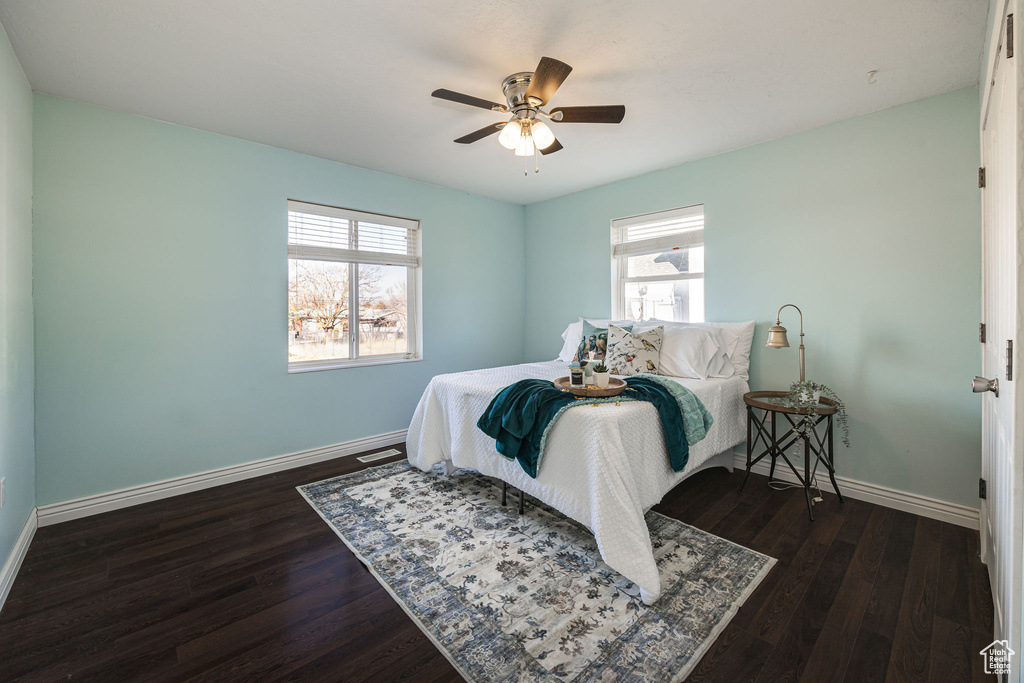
[245,582]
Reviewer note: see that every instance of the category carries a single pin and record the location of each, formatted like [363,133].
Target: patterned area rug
[527,598]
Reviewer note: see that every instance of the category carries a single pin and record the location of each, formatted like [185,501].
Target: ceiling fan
[526,92]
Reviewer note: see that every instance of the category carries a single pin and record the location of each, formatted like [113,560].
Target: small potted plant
[601,375]
[806,395]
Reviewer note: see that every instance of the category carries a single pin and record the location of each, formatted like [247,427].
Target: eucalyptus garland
[801,395]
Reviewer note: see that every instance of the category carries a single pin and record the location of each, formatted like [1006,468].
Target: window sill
[317,365]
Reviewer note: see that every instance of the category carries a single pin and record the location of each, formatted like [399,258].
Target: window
[353,288]
[658,266]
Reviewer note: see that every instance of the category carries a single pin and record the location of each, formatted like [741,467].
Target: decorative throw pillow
[633,354]
[595,338]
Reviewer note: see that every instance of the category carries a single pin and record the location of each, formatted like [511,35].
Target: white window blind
[326,233]
[673,229]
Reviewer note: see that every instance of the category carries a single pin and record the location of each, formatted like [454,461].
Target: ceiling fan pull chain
[524,135]
[536,159]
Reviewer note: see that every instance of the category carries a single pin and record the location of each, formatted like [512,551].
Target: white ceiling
[351,80]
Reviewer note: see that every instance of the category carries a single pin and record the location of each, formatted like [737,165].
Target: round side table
[765,409]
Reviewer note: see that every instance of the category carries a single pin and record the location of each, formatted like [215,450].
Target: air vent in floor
[379,456]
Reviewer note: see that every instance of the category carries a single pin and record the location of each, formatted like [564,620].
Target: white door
[1001,512]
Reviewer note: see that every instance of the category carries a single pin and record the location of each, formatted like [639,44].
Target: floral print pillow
[633,353]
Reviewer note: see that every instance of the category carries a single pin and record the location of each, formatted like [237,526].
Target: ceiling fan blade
[453,96]
[611,113]
[552,148]
[546,79]
[481,134]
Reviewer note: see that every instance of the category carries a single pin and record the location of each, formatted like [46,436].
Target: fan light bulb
[510,135]
[542,135]
[525,148]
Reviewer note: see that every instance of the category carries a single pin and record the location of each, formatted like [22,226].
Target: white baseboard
[17,556]
[55,513]
[924,506]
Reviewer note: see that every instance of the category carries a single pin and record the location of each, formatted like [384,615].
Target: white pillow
[735,340]
[739,356]
[720,365]
[571,341]
[605,322]
[685,351]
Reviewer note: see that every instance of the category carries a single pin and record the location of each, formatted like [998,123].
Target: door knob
[981,385]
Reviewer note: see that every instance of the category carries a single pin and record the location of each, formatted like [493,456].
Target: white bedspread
[603,466]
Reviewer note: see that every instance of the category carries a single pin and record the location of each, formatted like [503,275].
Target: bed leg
[504,492]
[521,496]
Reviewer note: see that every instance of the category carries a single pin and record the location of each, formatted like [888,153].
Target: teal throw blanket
[520,415]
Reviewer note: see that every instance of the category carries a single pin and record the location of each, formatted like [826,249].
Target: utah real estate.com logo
[997,657]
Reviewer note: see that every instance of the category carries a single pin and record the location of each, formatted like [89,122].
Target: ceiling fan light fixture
[542,135]
[511,134]
[525,93]
[525,147]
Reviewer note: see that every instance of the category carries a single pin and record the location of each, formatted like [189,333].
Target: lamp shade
[542,135]
[524,147]
[777,338]
[510,135]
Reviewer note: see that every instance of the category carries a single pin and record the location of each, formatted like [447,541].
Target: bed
[603,466]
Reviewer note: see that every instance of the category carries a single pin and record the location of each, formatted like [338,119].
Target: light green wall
[161,312]
[160,305]
[17,464]
[872,226]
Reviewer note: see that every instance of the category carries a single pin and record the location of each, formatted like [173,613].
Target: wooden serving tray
[615,387]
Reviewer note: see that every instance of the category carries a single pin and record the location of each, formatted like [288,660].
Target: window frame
[355,257]
[621,250]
